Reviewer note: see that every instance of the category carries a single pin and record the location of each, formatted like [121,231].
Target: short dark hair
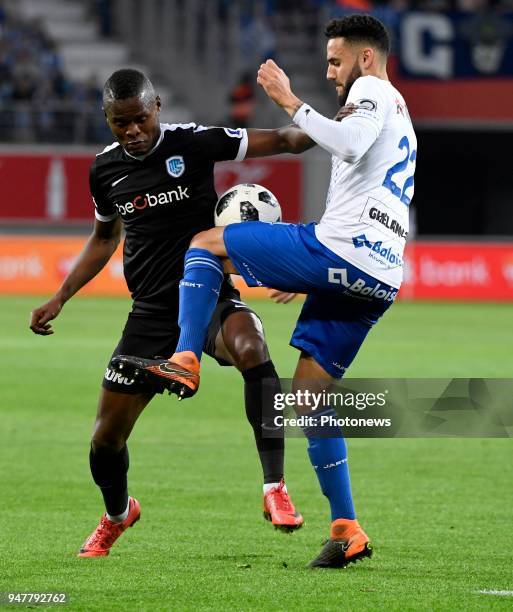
[360,28]
[127,83]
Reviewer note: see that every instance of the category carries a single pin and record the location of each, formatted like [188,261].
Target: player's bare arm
[95,255]
[288,139]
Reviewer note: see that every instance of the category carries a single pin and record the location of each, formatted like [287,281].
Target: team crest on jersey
[175,166]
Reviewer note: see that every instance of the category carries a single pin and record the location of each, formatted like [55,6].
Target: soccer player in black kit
[157,181]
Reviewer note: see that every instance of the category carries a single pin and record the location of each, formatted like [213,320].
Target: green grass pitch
[439,511]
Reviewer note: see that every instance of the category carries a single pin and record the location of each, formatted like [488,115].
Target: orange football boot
[348,542]
[99,543]
[279,509]
[179,373]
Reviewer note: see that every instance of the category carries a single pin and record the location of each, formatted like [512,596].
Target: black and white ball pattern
[247,202]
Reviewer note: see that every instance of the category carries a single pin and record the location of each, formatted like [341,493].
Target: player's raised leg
[199,290]
[270,255]
[117,414]
[204,266]
[241,341]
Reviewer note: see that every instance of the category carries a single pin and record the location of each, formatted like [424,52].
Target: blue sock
[329,459]
[199,292]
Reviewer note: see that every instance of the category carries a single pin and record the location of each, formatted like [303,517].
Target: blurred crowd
[39,101]
[259,17]
[334,7]
[37,98]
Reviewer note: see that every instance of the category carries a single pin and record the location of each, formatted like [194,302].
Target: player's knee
[250,352]
[201,241]
[107,444]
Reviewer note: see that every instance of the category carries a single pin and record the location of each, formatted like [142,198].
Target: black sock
[260,384]
[109,469]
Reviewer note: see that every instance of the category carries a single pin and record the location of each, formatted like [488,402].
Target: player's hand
[40,317]
[345,111]
[281,297]
[276,85]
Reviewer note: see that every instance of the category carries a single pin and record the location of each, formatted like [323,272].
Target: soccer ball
[247,202]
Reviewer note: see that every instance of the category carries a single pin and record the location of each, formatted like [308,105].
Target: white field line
[494,592]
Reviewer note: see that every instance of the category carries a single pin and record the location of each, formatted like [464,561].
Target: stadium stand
[54,59]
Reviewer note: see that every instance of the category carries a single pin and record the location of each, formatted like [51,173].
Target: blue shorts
[343,302]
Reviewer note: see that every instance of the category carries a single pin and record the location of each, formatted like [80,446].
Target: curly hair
[360,28]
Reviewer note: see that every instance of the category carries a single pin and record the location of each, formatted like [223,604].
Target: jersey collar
[155,146]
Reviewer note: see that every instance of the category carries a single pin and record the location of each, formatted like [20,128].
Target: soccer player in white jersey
[350,264]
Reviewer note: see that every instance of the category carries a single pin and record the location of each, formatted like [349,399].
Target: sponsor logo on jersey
[392,224]
[117,377]
[140,202]
[359,288]
[378,251]
[175,166]
[381,216]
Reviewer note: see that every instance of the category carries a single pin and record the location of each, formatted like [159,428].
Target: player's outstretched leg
[199,292]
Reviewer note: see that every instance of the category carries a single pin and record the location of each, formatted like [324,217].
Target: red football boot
[279,509]
[99,543]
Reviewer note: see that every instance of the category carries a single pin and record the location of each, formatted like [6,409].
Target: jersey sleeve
[352,137]
[371,103]
[220,143]
[104,209]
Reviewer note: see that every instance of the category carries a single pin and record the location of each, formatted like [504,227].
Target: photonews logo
[140,202]
[378,251]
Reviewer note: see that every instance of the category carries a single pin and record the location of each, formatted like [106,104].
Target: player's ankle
[119,518]
[273,485]
[342,528]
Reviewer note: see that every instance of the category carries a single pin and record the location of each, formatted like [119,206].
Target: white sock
[119,518]
[273,485]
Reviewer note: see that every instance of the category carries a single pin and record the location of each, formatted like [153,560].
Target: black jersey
[164,199]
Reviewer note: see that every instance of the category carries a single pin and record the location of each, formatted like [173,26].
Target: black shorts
[153,332]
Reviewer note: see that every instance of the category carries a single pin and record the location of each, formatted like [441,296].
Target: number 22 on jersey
[389,182]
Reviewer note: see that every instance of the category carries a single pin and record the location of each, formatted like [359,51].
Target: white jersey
[373,162]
